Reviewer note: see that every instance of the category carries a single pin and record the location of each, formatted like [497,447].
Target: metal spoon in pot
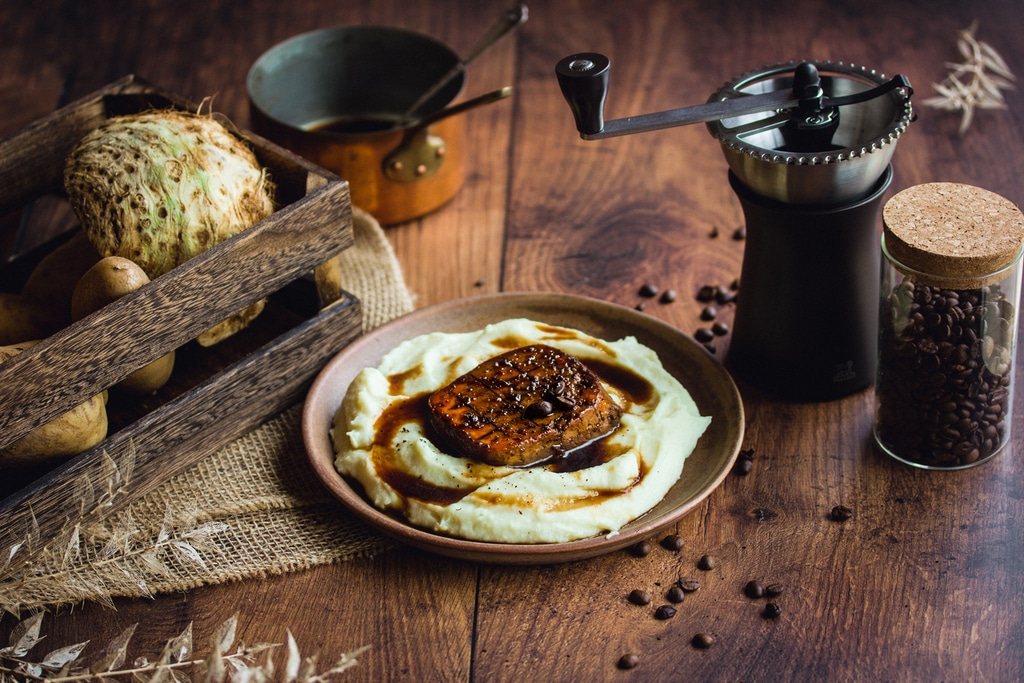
[508,21]
[472,103]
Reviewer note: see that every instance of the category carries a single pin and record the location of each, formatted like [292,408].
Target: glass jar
[950,289]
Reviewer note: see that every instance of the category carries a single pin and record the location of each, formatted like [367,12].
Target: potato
[24,319]
[106,281]
[69,434]
[236,323]
[55,277]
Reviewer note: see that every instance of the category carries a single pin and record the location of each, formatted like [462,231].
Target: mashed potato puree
[383,440]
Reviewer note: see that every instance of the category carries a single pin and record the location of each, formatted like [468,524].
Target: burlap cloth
[252,509]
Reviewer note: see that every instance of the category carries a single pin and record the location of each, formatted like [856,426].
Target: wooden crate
[216,394]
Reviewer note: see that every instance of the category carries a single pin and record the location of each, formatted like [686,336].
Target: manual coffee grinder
[808,145]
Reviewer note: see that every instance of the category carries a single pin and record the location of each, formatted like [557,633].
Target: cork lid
[957,233]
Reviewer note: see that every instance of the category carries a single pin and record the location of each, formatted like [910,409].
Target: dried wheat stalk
[245,664]
[975,83]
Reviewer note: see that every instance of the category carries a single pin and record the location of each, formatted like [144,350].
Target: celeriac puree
[382,439]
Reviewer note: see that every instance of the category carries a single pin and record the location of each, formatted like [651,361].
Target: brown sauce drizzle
[638,389]
[414,410]
[398,380]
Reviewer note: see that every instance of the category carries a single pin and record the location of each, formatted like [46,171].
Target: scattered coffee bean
[706,562]
[708,313]
[754,590]
[689,584]
[772,610]
[641,549]
[841,513]
[640,306]
[628,661]
[703,335]
[714,232]
[720,329]
[665,612]
[706,293]
[710,348]
[673,542]
[648,290]
[724,295]
[639,597]
[747,454]
[735,285]
[740,233]
[675,594]
[773,590]
[743,467]
[703,641]
[480,283]
[668,296]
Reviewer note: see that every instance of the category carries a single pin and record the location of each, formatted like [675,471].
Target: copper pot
[338,97]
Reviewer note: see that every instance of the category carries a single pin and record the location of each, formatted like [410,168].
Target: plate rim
[499,552]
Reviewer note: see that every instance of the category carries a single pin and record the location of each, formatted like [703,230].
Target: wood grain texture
[922,583]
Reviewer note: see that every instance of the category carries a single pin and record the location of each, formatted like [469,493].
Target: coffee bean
[720,329]
[673,542]
[754,590]
[710,348]
[665,612]
[703,641]
[772,610]
[641,549]
[841,513]
[628,661]
[739,233]
[668,296]
[714,232]
[724,295]
[689,584]
[773,590]
[538,410]
[706,293]
[639,597]
[747,454]
[640,306]
[708,313]
[706,562]
[675,594]
[703,335]
[743,467]
[648,290]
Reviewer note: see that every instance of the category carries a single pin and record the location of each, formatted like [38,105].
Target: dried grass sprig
[975,83]
[243,664]
[89,560]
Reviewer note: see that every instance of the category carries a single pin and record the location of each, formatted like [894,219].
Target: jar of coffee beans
[951,279]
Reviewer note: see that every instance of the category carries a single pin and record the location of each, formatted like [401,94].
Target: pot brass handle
[419,154]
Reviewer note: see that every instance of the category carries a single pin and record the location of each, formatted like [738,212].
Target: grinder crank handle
[583,78]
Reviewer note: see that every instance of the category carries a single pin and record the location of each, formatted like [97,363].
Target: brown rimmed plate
[705,378]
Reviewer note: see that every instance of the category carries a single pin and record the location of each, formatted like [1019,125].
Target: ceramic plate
[708,382]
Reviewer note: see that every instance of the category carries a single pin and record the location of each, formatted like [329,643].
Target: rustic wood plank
[641,209]
[920,583]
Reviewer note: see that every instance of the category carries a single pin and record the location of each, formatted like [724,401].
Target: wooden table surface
[923,583]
